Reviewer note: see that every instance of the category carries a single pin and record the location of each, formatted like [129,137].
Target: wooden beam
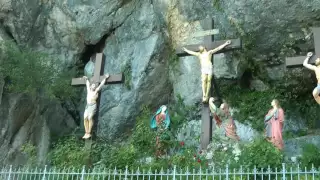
[205,33]
[298,61]
[206,127]
[235,44]
[113,79]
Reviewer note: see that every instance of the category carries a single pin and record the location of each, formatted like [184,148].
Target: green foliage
[189,158]
[127,71]
[69,152]
[30,151]
[217,5]
[310,156]
[34,72]
[260,154]
[180,113]
[120,156]
[143,138]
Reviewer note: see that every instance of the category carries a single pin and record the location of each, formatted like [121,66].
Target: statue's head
[201,49]
[93,86]
[163,108]
[275,103]
[317,62]
[224,105]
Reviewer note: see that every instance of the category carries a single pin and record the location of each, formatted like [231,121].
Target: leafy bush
[260,154]
[69,152]
[181,113]
[34,72]
[120,157]
[310,155]
[143,138]
[29,150]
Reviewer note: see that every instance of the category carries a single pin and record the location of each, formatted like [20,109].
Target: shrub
[34,72]
[143,138]
[30,151]
[260,153]
[310,155]
[69,152]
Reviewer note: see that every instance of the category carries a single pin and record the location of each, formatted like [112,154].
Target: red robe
[276,129]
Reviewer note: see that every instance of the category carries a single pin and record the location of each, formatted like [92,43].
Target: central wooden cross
[97,78]
[298,61]
[209,43]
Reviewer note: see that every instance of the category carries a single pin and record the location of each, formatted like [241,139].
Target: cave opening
[246,78]
[92,49]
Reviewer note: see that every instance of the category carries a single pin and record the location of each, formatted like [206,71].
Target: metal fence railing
[284,173]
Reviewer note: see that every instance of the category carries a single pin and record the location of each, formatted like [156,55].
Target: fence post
[126,173]
[227,172]
[82,173]
[174,172]
[283,171]
[10,170]
[44,172]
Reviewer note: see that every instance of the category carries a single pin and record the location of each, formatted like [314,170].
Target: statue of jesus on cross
[91,107]
[205,58]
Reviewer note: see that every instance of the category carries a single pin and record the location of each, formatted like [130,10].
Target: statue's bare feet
[88,136]
[203,99]
[84,136]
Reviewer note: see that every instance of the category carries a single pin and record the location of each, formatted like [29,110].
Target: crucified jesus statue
[91,107]
[205,58]
[316,69]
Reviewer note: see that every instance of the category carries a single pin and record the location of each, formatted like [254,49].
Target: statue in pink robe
[274,124]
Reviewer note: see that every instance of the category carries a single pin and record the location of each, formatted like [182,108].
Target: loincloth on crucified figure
[91,109]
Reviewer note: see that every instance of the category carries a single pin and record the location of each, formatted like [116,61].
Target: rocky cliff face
[139,36]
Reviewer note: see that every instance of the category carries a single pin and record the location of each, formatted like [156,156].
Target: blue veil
[153,123]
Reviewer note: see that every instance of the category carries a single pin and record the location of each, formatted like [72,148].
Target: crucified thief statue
[91,107]
[205,58]
[316,69]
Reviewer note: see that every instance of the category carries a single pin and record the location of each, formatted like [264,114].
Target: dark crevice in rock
[92,49]
[10,35]
[245,80]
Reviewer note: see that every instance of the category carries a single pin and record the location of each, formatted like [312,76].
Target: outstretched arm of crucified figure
[191,52]
[306,64]
[102,83]
[220,47]
[87,82]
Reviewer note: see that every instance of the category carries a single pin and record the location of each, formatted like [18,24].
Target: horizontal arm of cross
[235,44]
[113,79]
[298,61]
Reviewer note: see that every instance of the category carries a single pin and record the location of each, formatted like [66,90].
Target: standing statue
[91,107]
[274,124]
[205,58]
[160,122]
[316,69]
[227,124]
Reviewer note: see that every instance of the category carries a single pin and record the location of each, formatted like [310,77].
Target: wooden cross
[298,61]
[97,78]
[209,43]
